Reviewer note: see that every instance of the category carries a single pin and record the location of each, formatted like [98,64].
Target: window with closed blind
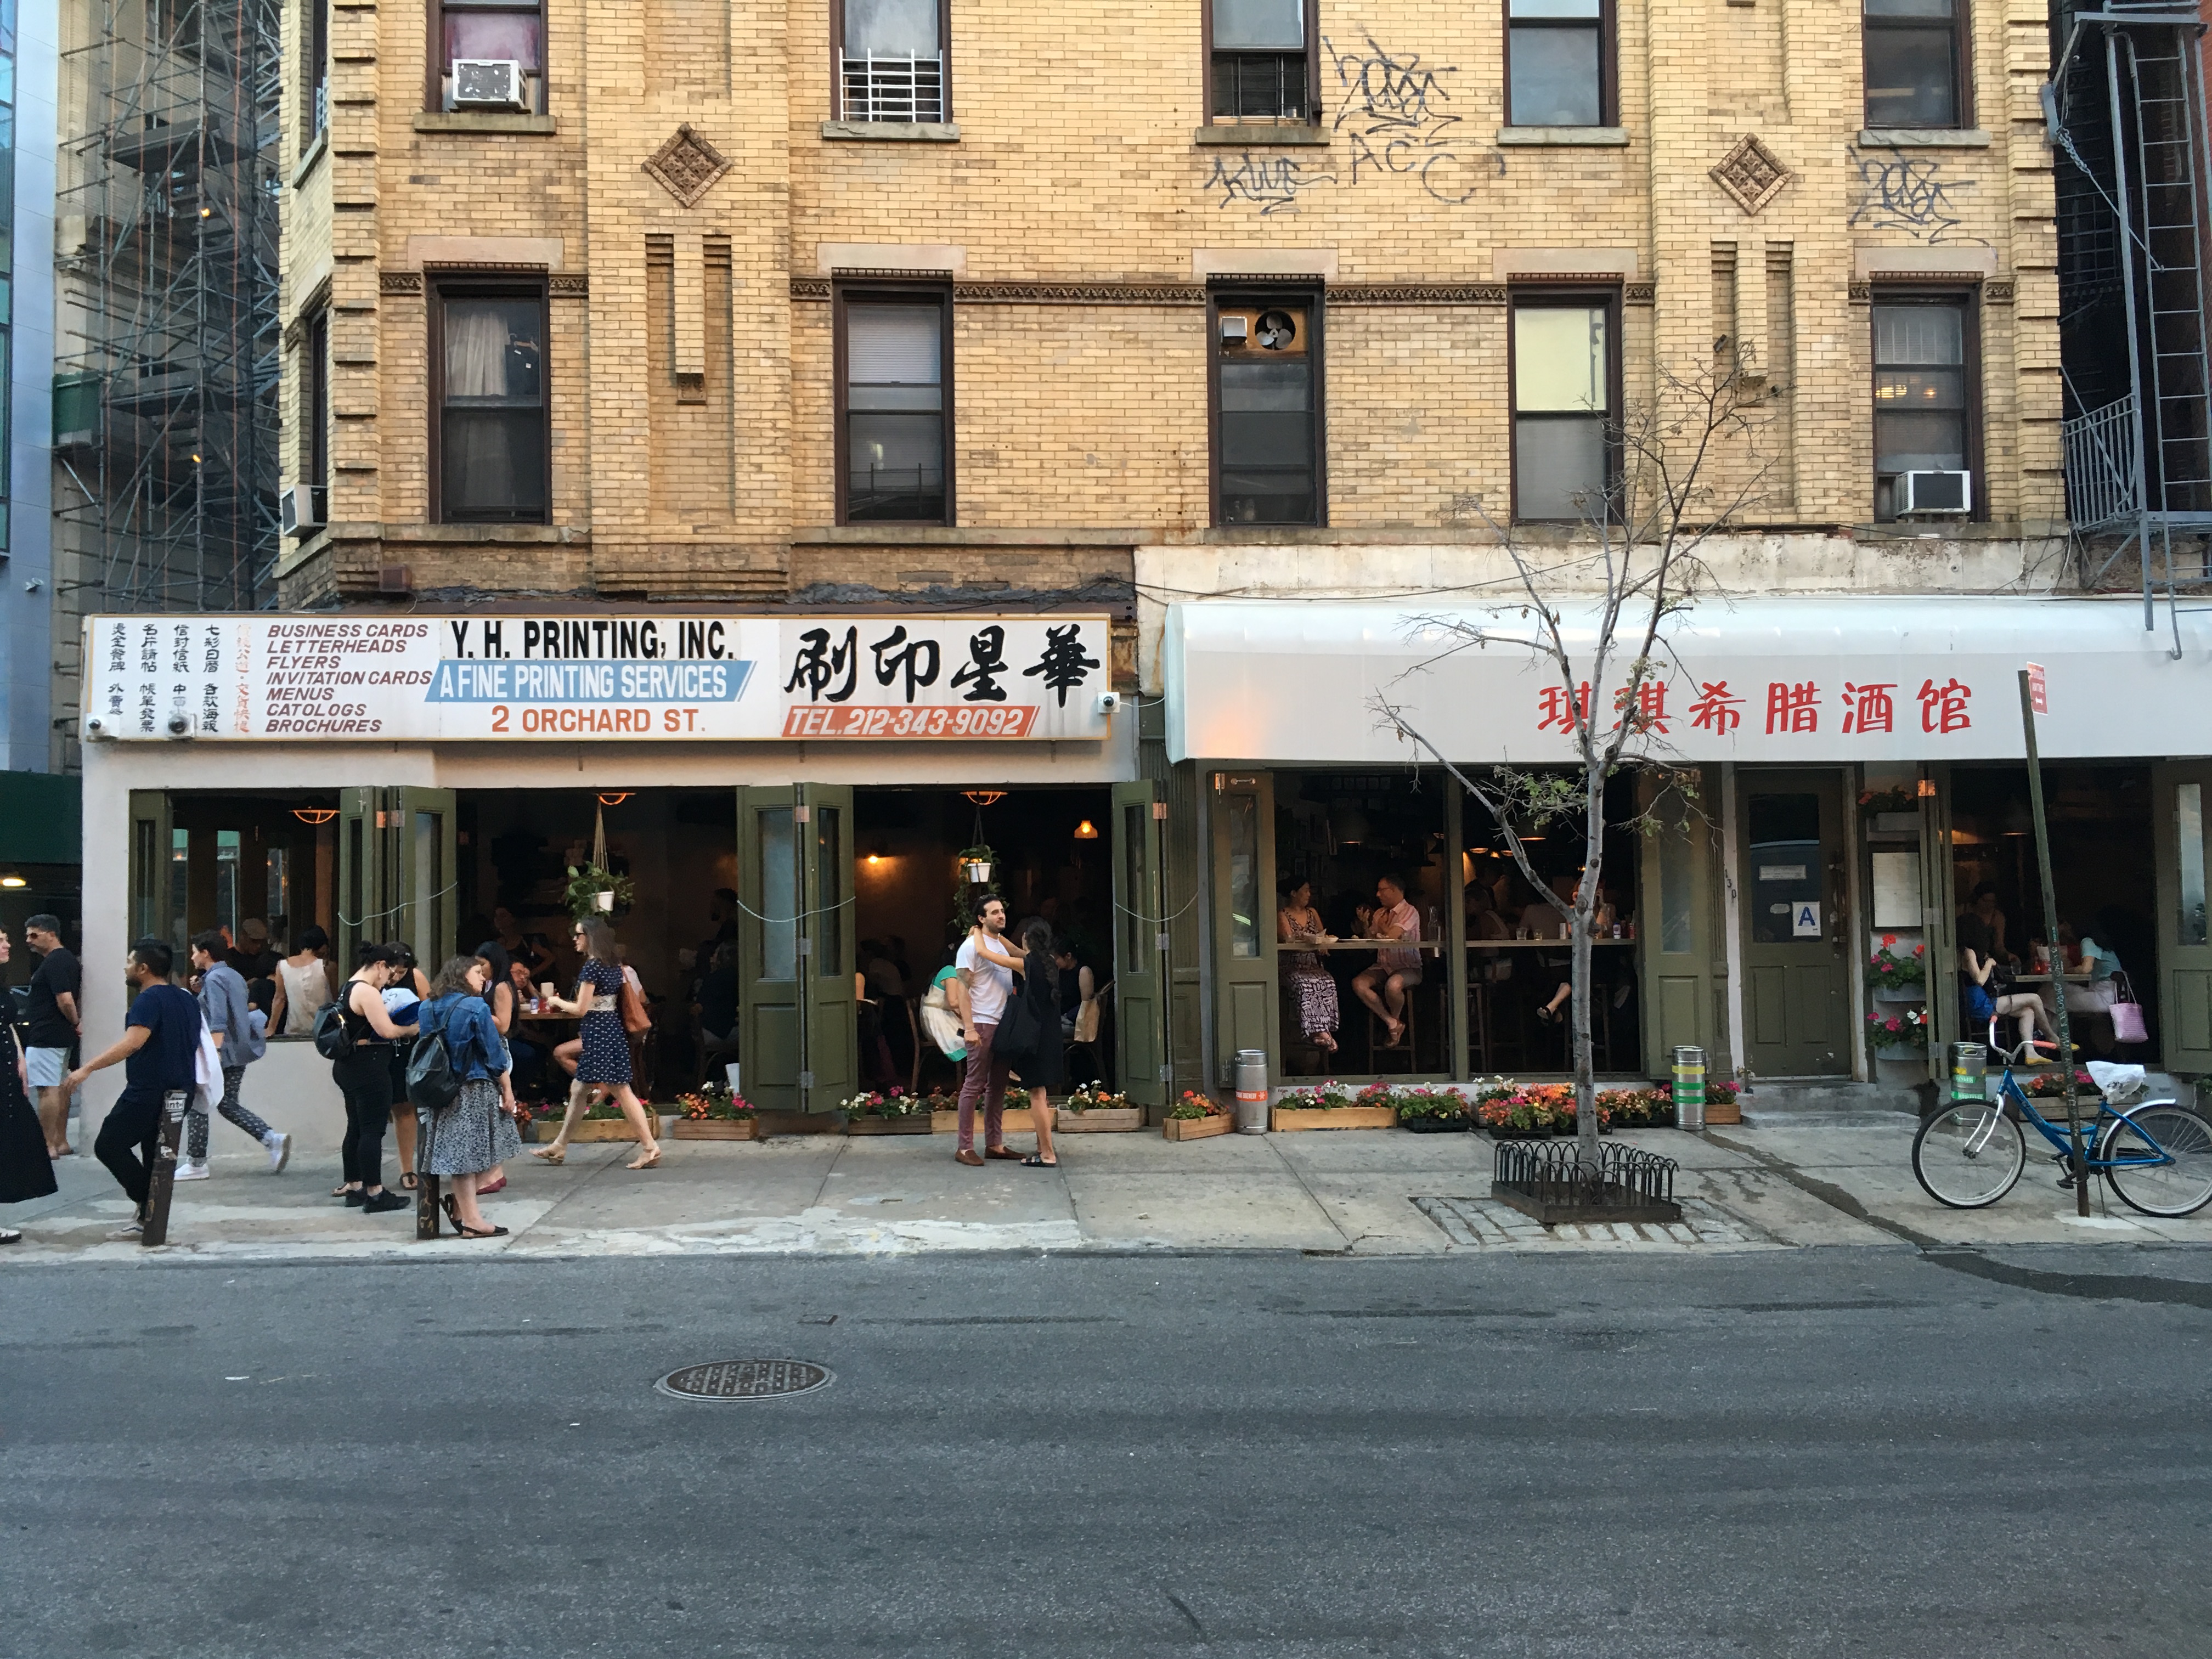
[894,462]
[491,440]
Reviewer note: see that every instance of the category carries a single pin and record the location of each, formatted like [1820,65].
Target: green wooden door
[360,886]
[421,827]
[771,1038]
[152,850]
[1243,893]
[1675,937]
[2182,794]
[1939,905]
[826,947]
[1139,1041]
[1796,925]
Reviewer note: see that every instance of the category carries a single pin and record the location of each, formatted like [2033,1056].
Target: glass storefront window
[1244,875]
[2189,839]
[779,891]
[1676,878]
[829,876]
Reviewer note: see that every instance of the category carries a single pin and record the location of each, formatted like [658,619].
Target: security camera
[96,727]
[180,726]
[1109,701]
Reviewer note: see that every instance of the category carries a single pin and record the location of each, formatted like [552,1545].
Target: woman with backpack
[358,1037]
[475,1131]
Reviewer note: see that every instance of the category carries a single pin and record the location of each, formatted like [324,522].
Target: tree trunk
[1585,912]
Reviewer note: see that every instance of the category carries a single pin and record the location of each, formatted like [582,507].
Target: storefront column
[1732,916]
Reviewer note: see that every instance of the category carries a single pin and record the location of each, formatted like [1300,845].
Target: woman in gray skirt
[476,1132]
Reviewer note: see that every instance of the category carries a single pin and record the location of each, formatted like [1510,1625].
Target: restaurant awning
[1777,680]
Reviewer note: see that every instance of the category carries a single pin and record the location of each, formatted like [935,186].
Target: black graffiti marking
[1897,194]
[1396,100]
[1272,185]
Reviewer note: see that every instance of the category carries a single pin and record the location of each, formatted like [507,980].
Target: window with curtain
[1912,62]
[492,449]
[1559,56]
[499,30]
[1261,68]
[316,439]
[896,438]
[317,32]
[1562,409]
[1267,448]
[890,60]
[1923,391]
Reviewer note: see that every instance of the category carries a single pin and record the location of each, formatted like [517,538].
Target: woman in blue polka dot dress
[604,1064]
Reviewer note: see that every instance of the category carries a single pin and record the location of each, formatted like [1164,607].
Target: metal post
[162,1181]
[2058,955]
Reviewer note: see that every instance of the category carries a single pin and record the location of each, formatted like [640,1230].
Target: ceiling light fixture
[985,797]
[1086,830]
[314,814]
[616,799]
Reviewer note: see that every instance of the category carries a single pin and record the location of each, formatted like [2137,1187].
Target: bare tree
[1592,616]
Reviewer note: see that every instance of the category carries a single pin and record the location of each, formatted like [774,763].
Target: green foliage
[586,884]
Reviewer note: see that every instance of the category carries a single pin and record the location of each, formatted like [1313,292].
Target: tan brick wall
[1076,164]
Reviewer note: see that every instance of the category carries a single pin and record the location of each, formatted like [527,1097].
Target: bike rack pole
[2058,955]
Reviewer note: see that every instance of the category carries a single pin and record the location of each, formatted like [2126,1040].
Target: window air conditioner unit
[1935,492]
[489,83]
[304,508]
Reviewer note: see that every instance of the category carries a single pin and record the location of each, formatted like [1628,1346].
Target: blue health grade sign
[491,678]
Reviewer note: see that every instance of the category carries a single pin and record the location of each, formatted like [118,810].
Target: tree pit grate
[719,1380]
[1548,1182]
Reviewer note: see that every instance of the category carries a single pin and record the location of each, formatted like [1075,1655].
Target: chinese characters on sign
[1793,707]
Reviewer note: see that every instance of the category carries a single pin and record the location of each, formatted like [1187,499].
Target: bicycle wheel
[2180,1187]
[1968,1156]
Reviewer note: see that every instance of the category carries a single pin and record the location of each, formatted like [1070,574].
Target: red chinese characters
[1869,708]
[1649,712]
[1552,704]
[1718,709]
[1792,708]
[1943,707]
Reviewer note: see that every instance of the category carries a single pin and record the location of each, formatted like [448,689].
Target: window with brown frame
[489,33]
[1559,63]
[890,56]
[1915,58]
[1267,394]
[1566,400]
[1927,405]
[489,439]
[894,358]
[315,453]
[316,105]
[1260,67]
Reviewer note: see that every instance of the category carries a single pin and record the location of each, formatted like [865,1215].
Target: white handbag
[207,1074]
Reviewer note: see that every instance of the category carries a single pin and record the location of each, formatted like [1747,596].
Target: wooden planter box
[543,1130]
[1112,1120]
[913,1123]
[1287,1119]
[1718,1113]
[1014,1123]
[1197,1128]
[715,1128]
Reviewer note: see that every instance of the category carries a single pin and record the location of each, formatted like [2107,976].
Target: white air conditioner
[489,83]
[303,509]
[1935,492]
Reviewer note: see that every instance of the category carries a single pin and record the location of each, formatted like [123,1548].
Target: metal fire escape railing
[2135,137]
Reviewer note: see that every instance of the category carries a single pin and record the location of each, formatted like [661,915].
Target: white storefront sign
[317,677]
[1766,680]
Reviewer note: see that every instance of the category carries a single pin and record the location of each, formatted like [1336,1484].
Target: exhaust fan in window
[1279,331]
[1935,492]
[488,83]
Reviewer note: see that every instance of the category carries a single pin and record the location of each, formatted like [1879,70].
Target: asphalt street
[1840,1451]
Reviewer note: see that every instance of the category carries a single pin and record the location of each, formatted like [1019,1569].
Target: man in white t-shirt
[1383,985]
[985,968]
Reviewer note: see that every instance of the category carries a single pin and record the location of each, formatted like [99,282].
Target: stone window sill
[1260,136]
[1924,138]
[893,132]
[485,120]
[1565,138]
[313,154]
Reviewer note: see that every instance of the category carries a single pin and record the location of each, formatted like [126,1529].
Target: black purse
[1020,1036]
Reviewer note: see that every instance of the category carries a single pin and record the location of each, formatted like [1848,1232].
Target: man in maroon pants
[985,968]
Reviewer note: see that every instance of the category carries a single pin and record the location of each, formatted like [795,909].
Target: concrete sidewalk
[1379,1191]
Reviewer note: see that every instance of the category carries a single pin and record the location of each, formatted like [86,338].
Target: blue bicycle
[2158,1155]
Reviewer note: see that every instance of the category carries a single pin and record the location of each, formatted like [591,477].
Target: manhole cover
[745,1379]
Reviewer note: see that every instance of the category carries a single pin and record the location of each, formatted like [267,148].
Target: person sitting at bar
[2097,997]
[1383,983]
[1298,924]
[1982,926]
[1982,1007]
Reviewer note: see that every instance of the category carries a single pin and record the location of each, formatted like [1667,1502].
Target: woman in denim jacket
[476,1132]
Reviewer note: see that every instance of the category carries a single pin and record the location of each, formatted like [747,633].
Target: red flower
[1888,939]
[1885,967]
[1919,950]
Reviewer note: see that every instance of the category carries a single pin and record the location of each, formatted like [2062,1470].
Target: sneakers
[280,1150]
[136,1225]
[189,1171]
[386,1200]
[355,1198]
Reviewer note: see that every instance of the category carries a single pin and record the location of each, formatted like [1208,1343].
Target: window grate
[891,89]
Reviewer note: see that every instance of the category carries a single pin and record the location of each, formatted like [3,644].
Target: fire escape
[2127,118]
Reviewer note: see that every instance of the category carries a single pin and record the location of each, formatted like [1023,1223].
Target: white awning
[1758,680]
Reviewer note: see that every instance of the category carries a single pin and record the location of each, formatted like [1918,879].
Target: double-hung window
[491,440]
[1915,57]
[499,47]
[1565,375]
[1267,394]
[315,448]
[894,433]
[890,60]
[1925,379]
[1558,63]
[1262,61]
[317,103]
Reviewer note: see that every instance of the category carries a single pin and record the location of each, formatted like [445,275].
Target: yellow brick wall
[1076,164]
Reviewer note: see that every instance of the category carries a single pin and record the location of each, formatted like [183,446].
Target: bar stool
[1377,1046]
[1491,1040]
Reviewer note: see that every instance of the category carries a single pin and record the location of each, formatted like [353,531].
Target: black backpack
[431,1082]
[332,1040]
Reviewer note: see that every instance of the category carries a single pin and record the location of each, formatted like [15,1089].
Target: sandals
[408,1183]
[453,1215]
[551,1154]
[1033,1162]
[650,1161]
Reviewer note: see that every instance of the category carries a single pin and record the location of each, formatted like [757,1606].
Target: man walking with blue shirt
[230,1016]
[159,1052]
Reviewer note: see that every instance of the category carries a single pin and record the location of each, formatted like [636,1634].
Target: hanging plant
[587,883]
[971,858]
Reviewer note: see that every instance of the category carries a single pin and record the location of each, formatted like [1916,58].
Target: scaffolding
[2126,110]
[165,362]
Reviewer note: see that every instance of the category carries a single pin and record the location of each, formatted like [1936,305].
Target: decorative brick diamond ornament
[687,166]
[1751,174]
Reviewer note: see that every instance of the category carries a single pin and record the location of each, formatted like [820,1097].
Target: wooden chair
[1378,1047]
